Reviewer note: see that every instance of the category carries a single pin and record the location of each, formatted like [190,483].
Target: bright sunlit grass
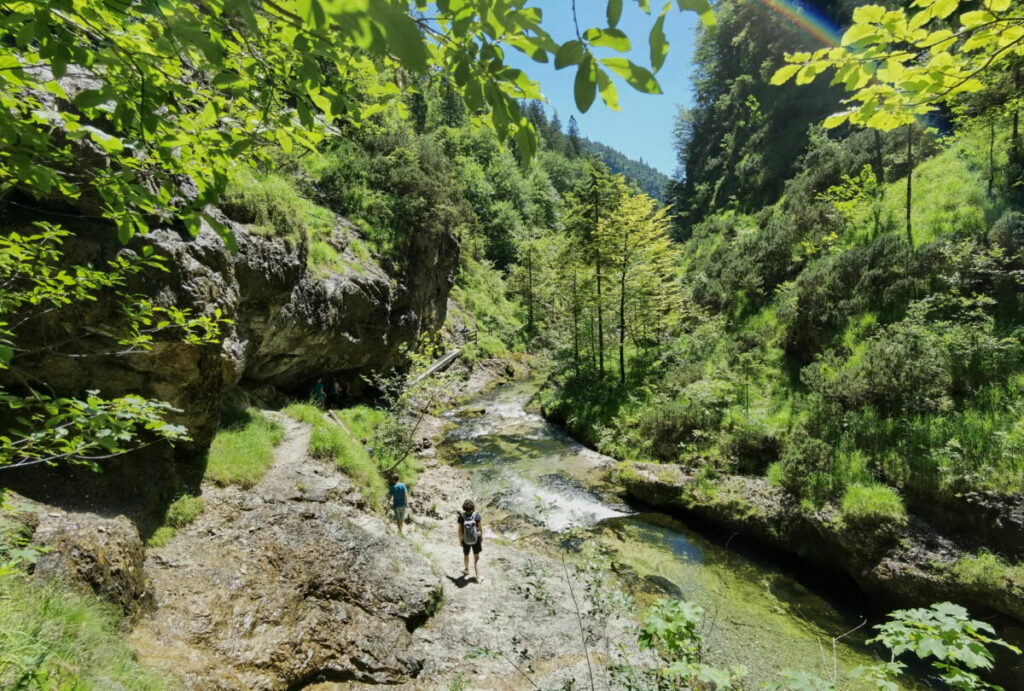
[242,452]
[54,638]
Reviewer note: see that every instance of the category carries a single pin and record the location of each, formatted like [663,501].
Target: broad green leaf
[656,40]
[857,33]
[608,38]
[637,77]
[585,85]
[569,53]
[702,8]
[90,98]
[943,8]
[614,12]
[835,120]
[609,94]
[404,40]
[784,74]
[526,141]
[868,14]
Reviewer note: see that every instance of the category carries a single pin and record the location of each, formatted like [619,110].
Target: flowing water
[760,615]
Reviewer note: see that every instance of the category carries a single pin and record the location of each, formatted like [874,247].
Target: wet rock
[102,555]
[663,585]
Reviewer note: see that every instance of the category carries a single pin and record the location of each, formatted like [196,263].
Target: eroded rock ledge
[898,563]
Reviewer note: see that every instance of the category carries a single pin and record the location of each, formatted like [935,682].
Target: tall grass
[344,446]
[873,502]
[243,450]
[950,191]
[54,638]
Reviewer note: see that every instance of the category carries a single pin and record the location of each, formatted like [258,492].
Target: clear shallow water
[760,615]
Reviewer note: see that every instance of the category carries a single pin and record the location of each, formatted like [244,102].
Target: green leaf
[403,36]
[857,33]
[614,12]
[90,98]
[835,120]
[702,8]
[226,80]
[943,8]
[526,141]
[608,38]
[657,41]
[569,53]
[637,77]
[784,74]
[609,94]
[868,14]
[585,86]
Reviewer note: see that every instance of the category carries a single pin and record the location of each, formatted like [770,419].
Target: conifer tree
[575,147]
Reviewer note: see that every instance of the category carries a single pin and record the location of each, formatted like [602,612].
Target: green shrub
[184,510]
[324,258]
[697,409]
[492,347]
[806,467]
[751,447]
[241,453]
[873,503]
[54,638]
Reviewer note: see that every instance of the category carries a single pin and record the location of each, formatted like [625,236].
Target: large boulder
[100,555]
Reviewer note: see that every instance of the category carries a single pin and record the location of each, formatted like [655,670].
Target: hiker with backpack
[471,536]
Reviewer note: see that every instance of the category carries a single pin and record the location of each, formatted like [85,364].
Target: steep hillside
[649,179]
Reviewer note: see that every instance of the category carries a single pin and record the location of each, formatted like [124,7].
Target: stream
[530,475]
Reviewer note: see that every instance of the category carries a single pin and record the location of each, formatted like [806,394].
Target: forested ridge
[812,335]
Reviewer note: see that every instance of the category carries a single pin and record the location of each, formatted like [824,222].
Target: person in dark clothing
[319,393]
[471,536]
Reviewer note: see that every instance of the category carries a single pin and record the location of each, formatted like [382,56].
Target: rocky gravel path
[294,584]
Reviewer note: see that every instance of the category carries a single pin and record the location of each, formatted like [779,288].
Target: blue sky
[643,128]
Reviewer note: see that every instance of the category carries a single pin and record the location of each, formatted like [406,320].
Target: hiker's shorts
[399,514]
[475,547]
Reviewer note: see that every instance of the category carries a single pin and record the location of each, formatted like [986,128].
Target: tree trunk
[910,179]
[575,327]
[879,160]
[991,155]
[597,272]
[529,293]
[622,325]
[1015,135]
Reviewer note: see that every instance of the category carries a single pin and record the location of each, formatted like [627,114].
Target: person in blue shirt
[399,500]
[319,392]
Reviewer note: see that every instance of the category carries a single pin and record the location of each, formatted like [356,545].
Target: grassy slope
[745,415]
[55,638]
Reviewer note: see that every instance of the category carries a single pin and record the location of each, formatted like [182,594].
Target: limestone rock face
[285,584]
[288,324]
[104,555]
